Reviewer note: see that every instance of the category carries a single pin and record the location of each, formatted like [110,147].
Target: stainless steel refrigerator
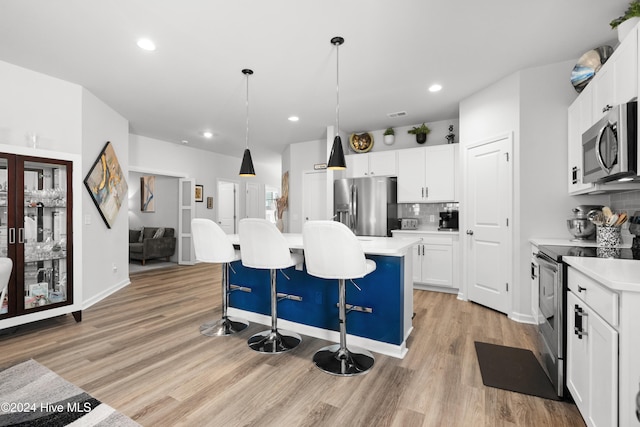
[368,206]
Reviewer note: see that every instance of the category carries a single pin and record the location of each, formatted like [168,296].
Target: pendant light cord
[337,88]
[247,105]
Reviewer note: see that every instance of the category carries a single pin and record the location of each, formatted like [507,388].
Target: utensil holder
[608,236]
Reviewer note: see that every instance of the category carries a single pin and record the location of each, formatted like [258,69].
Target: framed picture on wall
[106,184]
[147,190]
[209,202]
[199,193]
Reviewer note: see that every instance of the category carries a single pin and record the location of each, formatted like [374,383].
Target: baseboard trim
[102,295]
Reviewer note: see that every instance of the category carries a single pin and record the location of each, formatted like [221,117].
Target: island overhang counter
[381,319]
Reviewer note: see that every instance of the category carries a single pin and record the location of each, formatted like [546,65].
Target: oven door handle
[549,264]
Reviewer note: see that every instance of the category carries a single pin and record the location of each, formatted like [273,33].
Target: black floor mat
[513,369]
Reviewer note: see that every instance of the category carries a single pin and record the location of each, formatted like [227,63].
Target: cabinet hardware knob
[607,108]
[470,232]
[580,288]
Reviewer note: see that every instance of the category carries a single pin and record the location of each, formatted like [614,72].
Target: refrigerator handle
[355,207]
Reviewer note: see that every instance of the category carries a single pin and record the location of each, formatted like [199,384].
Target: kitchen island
[381,321]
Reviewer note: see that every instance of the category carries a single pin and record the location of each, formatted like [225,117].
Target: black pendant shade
[246,168]
[336,158]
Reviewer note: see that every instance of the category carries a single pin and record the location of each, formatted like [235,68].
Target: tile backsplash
[629,202]
[426,213]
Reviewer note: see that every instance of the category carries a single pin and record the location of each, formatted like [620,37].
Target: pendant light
[246,168]
[336,159]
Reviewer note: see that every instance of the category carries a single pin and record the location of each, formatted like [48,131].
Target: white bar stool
[332,251]
[212,245]
[263,247]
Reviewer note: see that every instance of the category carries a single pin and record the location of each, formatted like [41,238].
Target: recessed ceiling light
[435,88]
[294,118]
[207,134]
[146,44]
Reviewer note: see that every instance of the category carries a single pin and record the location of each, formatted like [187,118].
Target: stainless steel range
[551,315]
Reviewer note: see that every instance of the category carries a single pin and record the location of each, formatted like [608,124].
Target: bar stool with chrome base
[212,245]
[332,251]
[263,247]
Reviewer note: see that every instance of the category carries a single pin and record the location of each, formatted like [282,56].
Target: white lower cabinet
[435,259]
[592,350]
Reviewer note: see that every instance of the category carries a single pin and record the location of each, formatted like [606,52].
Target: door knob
[470,232]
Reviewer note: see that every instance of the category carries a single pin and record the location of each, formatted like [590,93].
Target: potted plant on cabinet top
[389,136]
[626,22]
[420,132]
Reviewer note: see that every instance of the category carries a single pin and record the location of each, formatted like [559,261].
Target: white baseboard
[102,295]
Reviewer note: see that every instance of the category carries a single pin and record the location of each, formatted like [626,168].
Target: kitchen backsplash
[427,213]
[628,202]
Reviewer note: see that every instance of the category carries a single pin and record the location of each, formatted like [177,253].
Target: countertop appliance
[408,223]
[580,225]
[448,220]
[551,273]
[368,206]
[610,146]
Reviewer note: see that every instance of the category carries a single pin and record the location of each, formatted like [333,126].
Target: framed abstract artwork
[199,193]
[147,193]
[209,202]
[107,184]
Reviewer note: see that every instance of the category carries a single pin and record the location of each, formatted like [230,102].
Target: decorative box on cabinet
[427,174]
[379,163]
[36,231]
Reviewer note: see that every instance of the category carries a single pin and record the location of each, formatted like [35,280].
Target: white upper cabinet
[427,174]
[576,126]
[383,163]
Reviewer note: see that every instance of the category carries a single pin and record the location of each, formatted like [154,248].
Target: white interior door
[186,212]
[488,203]
[228,206]
[255,205]
[314,195]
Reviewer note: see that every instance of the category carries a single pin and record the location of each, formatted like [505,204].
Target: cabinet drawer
[602,300]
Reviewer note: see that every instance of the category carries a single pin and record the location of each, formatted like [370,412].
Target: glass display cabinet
[36,233]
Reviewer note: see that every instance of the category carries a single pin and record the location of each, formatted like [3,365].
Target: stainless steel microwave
[610,147]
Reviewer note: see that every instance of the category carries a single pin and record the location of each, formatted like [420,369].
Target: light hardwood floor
[141,352]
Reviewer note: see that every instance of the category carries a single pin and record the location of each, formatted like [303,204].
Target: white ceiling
[393,51]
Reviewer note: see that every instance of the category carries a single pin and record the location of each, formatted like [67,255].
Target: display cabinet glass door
[37,234]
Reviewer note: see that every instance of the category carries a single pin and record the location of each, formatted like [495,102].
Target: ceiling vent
[397,114]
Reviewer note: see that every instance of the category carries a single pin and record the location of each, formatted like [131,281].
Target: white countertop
[568,242]
[425,230]
[616,274]
[387,246]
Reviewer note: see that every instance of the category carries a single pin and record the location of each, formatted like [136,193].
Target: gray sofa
[150,247]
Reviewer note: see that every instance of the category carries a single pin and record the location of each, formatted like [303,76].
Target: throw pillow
[141,235]
[159,233]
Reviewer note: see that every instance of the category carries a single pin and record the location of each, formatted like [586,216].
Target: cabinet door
[411,175]
[437,266]
[574,143]
[383,163]
[417,263]
[602,345]
[439,174]
[625,69]
[577,356]
[603,92]
[357,165]
[43,251]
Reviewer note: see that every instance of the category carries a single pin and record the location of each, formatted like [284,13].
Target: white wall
[35,102]
[206,167]
[532,104]
[105,251]
[69,119]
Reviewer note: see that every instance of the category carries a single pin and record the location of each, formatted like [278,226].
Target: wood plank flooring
[141,352]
